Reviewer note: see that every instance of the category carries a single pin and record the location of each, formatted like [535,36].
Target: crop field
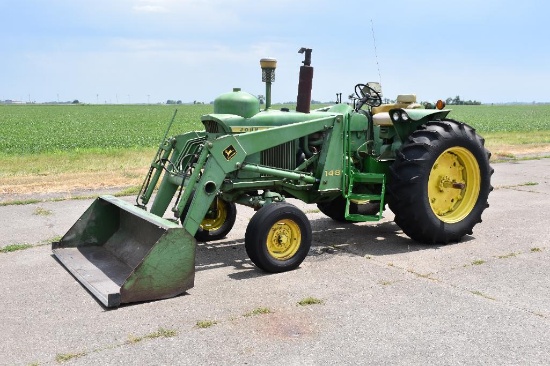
[66,148]
[35,129]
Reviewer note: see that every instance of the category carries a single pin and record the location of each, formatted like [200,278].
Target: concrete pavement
[385,299]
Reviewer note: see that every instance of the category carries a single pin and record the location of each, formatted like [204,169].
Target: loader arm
[227,154]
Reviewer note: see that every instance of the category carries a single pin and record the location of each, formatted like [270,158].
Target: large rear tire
[278,237]
[440,182]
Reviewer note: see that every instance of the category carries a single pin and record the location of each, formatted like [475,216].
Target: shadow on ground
[329,238]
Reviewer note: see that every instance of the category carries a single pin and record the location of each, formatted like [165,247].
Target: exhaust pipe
[303,103]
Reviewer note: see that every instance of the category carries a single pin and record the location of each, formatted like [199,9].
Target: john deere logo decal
[229,152]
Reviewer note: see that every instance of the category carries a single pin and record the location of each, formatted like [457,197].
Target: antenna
[375,52]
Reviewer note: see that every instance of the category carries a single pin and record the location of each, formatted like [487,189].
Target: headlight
[404,116]
[395,116]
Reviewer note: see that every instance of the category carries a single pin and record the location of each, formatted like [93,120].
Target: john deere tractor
[350,160]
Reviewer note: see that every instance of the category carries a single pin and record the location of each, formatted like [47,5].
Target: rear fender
[416,118]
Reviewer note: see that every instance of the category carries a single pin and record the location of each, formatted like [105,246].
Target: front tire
[278,237]
[217,223]
[440,182]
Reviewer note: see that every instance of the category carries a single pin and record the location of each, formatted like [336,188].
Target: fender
[406,121]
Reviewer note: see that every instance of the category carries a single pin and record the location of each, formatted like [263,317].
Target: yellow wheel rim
[215,217]
[453,184]
[284,239]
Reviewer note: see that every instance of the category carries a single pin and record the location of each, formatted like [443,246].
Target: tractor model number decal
[240,129]
[229,152]
[332,173]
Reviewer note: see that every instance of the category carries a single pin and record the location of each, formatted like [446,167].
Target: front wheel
[440,182]
[278,237]
[217,223]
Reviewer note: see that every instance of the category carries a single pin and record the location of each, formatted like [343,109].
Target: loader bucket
[123,254]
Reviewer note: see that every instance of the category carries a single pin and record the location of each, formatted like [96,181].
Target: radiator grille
[212,127]
[282,156]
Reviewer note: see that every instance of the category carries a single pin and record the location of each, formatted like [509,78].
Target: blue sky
[138,51]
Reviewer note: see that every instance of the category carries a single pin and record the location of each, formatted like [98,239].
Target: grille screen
[211,127]
[282,156]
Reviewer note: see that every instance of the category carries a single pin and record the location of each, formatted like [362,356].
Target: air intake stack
[303,104]
[268,66]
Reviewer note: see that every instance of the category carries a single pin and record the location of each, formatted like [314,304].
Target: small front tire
[278,237]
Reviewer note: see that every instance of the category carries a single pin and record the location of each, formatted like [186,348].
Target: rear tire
[440,182]
[278,237]
[336,209]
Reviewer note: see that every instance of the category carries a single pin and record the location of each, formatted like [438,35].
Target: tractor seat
[381,115]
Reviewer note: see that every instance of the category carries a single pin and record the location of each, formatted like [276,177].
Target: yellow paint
[284,239]
[453,184]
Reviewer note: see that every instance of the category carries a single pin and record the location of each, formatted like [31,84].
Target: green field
[36,129]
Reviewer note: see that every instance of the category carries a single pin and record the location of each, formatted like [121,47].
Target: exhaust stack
[303,103]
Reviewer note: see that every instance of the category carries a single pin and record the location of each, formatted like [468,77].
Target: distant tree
[179,102]
[261,98]
[76,101]
[170,101]
[457,101]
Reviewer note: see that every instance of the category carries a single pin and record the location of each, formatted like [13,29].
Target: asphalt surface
[385,299]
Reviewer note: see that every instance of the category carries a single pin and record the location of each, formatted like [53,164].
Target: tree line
[457,101]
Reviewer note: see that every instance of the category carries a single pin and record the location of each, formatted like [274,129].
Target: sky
[150,51]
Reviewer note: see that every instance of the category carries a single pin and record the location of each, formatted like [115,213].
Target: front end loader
[349,160]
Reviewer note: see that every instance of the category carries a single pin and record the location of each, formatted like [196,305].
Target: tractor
[350,160]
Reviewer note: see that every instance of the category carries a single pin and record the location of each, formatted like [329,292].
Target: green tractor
[432,172]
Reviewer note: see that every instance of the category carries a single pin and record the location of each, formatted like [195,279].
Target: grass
[39,211]
[161,333]
[20,202]
[202,324]
[36,129]
[39,129]
[67,147]
[258,311]
[15,247]
[478,262]
[310,301]
[64,357]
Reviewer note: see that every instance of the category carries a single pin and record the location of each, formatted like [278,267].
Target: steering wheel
[370,97]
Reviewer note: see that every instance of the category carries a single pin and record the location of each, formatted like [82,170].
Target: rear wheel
[278,237]
[336,209]
[218,222]
[440,182]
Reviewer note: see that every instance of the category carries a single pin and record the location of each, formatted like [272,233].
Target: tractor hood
[231,123]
